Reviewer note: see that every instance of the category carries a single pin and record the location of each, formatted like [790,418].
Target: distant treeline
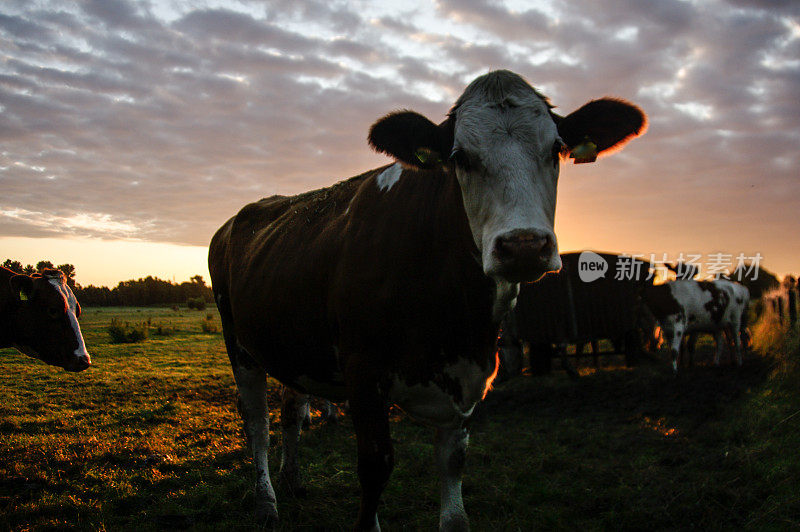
[154,291]
[133,293]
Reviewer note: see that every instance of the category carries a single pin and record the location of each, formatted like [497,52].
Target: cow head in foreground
[44,320]
[505,143]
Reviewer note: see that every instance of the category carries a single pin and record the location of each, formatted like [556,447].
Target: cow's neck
[451,224]
[505,293]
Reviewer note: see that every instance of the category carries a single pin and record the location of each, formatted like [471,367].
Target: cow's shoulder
[664,300]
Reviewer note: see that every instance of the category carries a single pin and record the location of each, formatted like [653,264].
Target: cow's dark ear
[21,287]
[412,139]
[599,126]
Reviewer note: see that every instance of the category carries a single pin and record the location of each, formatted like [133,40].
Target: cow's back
[270,268]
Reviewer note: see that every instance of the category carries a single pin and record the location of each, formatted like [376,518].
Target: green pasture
[149,439]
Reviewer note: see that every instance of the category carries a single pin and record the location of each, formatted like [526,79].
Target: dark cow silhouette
[39,316]
[389,287]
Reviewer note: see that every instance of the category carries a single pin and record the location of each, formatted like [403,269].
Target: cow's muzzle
[78,363]
[525,254]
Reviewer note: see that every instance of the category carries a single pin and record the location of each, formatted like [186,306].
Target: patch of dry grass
[149,439]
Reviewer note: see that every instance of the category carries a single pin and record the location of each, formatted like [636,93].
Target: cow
[39,317]
[390,287]
[685,307]
[683,270]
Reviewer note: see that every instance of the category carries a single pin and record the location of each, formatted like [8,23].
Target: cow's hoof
[369,524]
[266,514]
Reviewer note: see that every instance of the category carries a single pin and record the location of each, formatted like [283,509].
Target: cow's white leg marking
[672,333]
[252,385]
[389,177]
[451,450]
[294,408]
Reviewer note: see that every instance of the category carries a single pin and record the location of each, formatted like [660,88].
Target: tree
[13,265]
[69,272]
[43,264]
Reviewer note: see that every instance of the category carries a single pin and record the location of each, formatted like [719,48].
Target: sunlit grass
[149,439]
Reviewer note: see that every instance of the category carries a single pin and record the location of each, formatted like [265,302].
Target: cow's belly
[448,406]
[703,323]
[332,390]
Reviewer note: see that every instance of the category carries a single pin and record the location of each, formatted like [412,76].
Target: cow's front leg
[370,413]
[719,341]
[252,385]
[737,344]
[294,408]
[672,337]
[451,452]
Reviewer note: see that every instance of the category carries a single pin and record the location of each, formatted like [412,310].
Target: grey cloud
[22,28]
[113,13]
[528,24]
[172,126]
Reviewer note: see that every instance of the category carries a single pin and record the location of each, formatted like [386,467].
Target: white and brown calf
[685,307]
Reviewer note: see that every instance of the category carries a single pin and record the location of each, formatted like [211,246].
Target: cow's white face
[46,322]
[505,146]
[506,157]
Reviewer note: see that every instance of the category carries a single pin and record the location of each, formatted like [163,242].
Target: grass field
[149,439]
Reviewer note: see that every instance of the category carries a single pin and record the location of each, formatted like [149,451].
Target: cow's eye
[459,157]
[53,312]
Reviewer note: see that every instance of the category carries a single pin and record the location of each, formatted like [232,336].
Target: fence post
[789,284]
[779,304]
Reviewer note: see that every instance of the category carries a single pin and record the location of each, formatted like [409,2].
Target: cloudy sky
[130,130]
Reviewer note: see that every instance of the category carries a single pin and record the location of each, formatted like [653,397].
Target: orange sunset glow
[132,130]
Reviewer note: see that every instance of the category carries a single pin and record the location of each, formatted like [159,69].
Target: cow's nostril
[526,242]
[79,363]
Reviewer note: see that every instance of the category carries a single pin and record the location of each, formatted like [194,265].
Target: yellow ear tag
[23,296]
[585,152]
[427,156]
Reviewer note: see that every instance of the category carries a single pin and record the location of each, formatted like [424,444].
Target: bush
[127,333]
[197,303]
[159,329]
[209,326]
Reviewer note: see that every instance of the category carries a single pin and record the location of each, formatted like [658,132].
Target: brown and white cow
[389,287]
[686,307]
[39,316]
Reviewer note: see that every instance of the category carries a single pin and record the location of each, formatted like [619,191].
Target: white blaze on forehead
[389,177]
[511,179]
[72,304]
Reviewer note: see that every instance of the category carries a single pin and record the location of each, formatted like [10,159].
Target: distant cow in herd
[389,287]
[686,307]
[39,316]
